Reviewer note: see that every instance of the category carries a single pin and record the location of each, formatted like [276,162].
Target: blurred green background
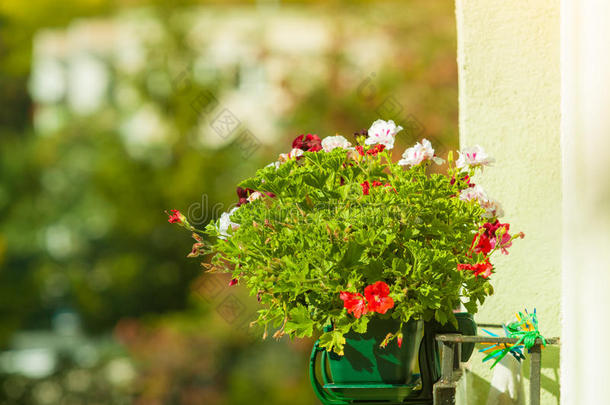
[112,112]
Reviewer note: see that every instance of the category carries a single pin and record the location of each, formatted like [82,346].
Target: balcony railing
[451,371]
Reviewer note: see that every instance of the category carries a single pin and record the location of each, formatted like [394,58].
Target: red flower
[354,303]
[360,150]
[375,150]
[174,217]
[232,282]
[399,339]
[482,269]
[378,297]
[365,187]
[307,143]
[481,244]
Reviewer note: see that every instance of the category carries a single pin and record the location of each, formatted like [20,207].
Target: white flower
[332,142]
[418,153]
[295,153]
[254,196]
[473,193]
[274,164]
[473,157]
[383,132]
[493,208]
[224,223]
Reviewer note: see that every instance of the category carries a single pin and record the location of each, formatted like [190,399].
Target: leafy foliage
[314,232]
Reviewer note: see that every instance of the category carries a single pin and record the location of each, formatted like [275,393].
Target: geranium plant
[336,234]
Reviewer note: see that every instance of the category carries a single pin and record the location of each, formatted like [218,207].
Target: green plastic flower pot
[366,362]
[369,373]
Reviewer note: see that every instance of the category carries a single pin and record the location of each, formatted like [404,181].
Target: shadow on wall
[477,389]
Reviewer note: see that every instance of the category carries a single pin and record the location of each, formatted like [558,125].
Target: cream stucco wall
[509,78]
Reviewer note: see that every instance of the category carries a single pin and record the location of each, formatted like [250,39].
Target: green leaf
[299,322]
[352,255]
[361,325]
[440,316]
[333,341]
[471,306]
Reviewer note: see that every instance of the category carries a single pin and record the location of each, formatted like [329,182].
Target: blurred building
[257,64]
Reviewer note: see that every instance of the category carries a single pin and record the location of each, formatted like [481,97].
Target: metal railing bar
[490,339]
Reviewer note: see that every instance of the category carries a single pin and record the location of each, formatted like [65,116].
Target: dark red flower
[502,239]
[242,194]
[465,179]
[354,303]
[376,183]
[174,217]
[365,188]
[378,297]
[307,143]
[491,228]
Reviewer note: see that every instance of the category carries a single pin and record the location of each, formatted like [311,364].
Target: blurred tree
[83,227]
